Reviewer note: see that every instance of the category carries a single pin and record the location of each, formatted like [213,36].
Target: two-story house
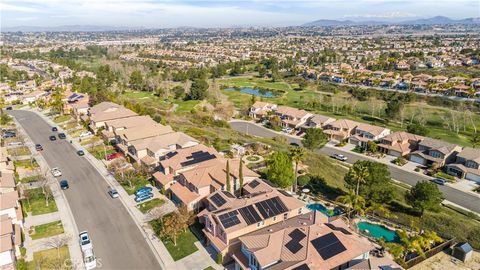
[318,121]
[399,144]
[340,129]
[364,133]
[292,117]
[260,109]
[466,165]
[113,127]
[125,137]
[227,218]
[431,151]
[105,111]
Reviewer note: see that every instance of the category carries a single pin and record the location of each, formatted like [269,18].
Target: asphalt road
[453,195]
[117,241]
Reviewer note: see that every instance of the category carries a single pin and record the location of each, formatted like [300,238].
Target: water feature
[378,231]
[320,207]
[252,91]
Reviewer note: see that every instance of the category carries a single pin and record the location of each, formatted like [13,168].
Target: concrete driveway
[461,198]
[118,242]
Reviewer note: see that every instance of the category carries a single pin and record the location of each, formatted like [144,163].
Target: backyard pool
[251,91]
[378,231]
[320,207]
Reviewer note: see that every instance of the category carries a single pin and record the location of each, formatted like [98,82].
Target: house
[10,206]
[340,129]
[399,144]
[318,121]
[32,97]
[7,181]
[307,241]
[364,133]
[431,151]
[106,111]
[112,127]
[194,185]
[125,137]
[292,117]
[260,109]
[226,218]
[466,165]
[76,103]
[149,151]
[402,65]
[10,241]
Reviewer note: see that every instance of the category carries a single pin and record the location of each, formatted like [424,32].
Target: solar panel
[228,194]
[302,267]
[328,246]
[249,214]
[229,219]
[197,157]
[218,200]
[254,183]
[271,207]
[294,244]
[335,228]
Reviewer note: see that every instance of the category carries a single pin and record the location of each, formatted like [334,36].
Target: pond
[320,207]
[378,231]
[252,91]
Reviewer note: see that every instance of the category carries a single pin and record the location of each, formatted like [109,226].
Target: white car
[85,242]
[15,143]
[89,259]
[85,134]
[56,172]
[339,157]
[287,130]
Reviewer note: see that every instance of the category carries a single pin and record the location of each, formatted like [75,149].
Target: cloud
[16,8]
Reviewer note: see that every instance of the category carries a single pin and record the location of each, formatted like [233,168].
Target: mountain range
[438,20]
[68,28]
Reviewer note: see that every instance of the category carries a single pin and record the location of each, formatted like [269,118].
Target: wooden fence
[429,253]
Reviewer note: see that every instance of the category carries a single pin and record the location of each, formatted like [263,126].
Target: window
[261,223]
[300,210]
[285,216]
[471,164]
[275,218]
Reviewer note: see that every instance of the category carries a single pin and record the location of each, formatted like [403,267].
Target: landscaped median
[47,230]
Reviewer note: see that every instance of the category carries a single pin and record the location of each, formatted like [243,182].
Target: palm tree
[360,174]
[432,237]
[296,153]
[353,202]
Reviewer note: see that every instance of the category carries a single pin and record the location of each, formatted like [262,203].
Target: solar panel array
[328,246]
[229,219]
[335,228]
[271,207]
[294,244]
[249,214]
[218,200]
[197,157]
[254,183]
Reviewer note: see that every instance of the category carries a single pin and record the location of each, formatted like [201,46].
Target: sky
[221,13]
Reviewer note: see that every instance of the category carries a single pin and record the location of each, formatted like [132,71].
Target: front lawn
[51,259]
[185,242]
[445,176]
[19,151]
[37,205]
[149,205]
[136,183]
[27,163]
[47,230]
[30,179]
[100,151]
[61,118]
[89,140]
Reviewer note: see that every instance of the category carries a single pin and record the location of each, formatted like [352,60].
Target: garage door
[473,177]
[416,159]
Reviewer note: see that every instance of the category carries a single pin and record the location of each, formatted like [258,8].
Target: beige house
[105,111]
[10,241]
[364,133]
[341,129]
[466,165]
[260,109]
[114,126]
[227,218]
[399,143]
[431,151]
[318,121]
[7,181]
[125,137]
[292,117]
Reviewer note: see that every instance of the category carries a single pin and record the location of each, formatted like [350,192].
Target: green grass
[445,176]
[37,205]
[326,168]
[69,125]
[137,183]
[185,245]
[140,95]
[62,118]
[28,164]
[19,151]
[209,268]
[50,259]
[149,205]
[47,230]
[186,106]
[99,151]
[30,179]
[90,140]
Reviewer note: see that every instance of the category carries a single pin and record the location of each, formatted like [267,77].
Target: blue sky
[221,13]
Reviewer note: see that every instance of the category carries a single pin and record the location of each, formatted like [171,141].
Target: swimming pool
[378,231]
[320,207]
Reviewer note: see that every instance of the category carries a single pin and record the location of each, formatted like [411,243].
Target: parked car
[9,108]
[38,147]
[9,135]
[287,130]
[80,153]
[54,129]
[64,184]
[85,242]
[339,157]
[114,156]
[89,259]
[62,136]
[143,190]
[15,144]
[112,192]
[143,197]
[439,181]
[56,172]
[52,138]
[85,134]
[294,144]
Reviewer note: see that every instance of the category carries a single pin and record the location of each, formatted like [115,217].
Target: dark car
[62,136]
[64,184]
[80,153]
[439,181]
[9,108]
[9,135]
[38,147]
[294,144]
[54,129]
[52,138]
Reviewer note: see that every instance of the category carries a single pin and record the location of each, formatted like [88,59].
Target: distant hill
[439,20]
[67,28]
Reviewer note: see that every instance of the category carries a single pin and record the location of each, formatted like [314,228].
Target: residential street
[456,196]
[118,242]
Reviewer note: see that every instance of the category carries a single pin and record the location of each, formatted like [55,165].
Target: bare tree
[57,242]
[44,183]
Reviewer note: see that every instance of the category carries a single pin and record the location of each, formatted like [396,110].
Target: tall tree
[136,80]
[352,201]
[423,196]
[280,169]
[240,175]
[198,89]
[359,173]
[227,176]
[296,154]
[314,138]
[171,228]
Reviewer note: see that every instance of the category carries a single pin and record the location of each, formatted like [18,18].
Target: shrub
[303,180]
